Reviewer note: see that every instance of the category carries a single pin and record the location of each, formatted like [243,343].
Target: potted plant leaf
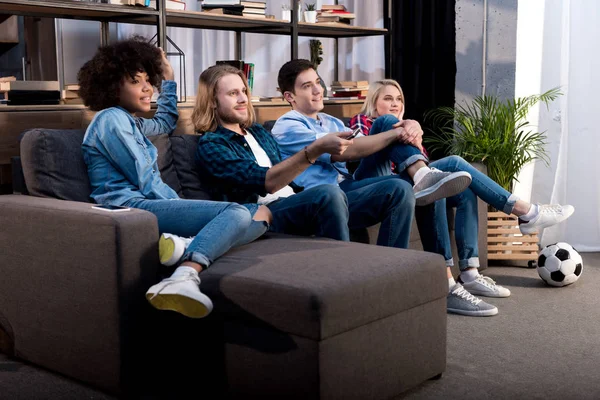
[492,131]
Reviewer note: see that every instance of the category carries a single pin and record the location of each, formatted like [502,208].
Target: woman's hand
[413,134]
[168,73]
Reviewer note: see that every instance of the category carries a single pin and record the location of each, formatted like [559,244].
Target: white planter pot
[286,15]
[310,16]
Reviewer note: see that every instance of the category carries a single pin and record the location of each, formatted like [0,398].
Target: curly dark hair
[100,78]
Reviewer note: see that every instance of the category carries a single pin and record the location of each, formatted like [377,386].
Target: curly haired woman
[119,82]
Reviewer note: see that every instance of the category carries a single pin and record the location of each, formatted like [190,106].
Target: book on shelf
[224,11]
[350,93]
[220,2]
[170,4]
[254,4]
[258,11]
[32,97]
[350,84]
[333,7]
[144,3]
[29,85]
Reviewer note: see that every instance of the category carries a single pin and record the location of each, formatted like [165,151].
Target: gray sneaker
[486,286]
[459,301]
[436,185]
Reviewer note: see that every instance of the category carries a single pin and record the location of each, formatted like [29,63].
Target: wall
[500,48]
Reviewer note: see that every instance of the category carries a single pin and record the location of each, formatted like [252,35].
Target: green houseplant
[492,131]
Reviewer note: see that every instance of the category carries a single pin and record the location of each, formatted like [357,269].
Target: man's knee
[331,194]
[401,192]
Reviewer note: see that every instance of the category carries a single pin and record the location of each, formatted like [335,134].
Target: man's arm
[366,145]
[286,171]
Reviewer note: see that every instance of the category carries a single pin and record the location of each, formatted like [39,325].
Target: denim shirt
[121,161]
[294,130]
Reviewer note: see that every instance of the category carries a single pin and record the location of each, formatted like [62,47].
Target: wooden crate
[505,240]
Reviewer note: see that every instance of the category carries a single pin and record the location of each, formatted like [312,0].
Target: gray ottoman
[368,325]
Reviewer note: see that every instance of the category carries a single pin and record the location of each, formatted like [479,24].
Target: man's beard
[229,117]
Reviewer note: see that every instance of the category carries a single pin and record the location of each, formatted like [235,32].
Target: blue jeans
[432,219]
[321,210]
[217,226]
[378,164]
[385,199]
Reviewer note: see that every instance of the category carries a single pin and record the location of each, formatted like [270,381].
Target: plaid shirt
[225,158]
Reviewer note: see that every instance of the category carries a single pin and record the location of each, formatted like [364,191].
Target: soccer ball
[559,264]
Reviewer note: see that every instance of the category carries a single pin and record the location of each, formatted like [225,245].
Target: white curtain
[358,58]
[564,53]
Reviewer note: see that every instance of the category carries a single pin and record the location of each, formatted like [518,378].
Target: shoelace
[463,293]
[183,277]
[486,281]
[551,209]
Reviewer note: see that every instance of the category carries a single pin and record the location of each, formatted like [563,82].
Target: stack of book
[229,7]
[246,68]
[254,9]
[70,94]
[349,90]
[334,13]
[19,93]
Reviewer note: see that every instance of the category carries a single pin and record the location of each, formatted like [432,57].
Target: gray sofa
[294,317]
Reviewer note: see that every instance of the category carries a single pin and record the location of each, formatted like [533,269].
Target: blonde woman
[382,111]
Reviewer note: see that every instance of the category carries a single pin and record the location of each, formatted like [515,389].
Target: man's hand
[168,73]
[332,143]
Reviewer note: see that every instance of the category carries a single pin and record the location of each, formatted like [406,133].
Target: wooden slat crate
[505,240]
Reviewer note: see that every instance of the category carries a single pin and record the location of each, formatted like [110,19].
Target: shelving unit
[15,119]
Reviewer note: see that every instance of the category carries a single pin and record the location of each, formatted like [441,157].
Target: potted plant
[497,134]
[492,131]
[310,15]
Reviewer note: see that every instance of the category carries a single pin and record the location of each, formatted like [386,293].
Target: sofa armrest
[72,284]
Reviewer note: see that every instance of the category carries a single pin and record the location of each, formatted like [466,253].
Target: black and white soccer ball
[559,264]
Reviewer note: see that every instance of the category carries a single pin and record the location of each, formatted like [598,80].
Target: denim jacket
[121,161]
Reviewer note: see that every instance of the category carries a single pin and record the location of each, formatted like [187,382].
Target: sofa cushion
[184,160]
[166,166]
[53,164]
[270,283]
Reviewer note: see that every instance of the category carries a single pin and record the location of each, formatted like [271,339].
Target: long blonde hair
[205,116]
[369,107]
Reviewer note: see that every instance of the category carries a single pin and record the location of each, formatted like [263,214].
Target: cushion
[184,160]
[168,173]
[53,164]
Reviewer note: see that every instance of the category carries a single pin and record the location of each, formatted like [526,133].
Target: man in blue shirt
[242,162]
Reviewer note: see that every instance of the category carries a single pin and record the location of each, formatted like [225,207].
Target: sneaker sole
[448,187]
[536,229]
[182,304]
[487,294]
[480,313]
[166,251]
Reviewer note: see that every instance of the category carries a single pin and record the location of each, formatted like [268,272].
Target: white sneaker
[548,215]
[436,185]
[460,301]
[181,293]
[171,248]
[485,286]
